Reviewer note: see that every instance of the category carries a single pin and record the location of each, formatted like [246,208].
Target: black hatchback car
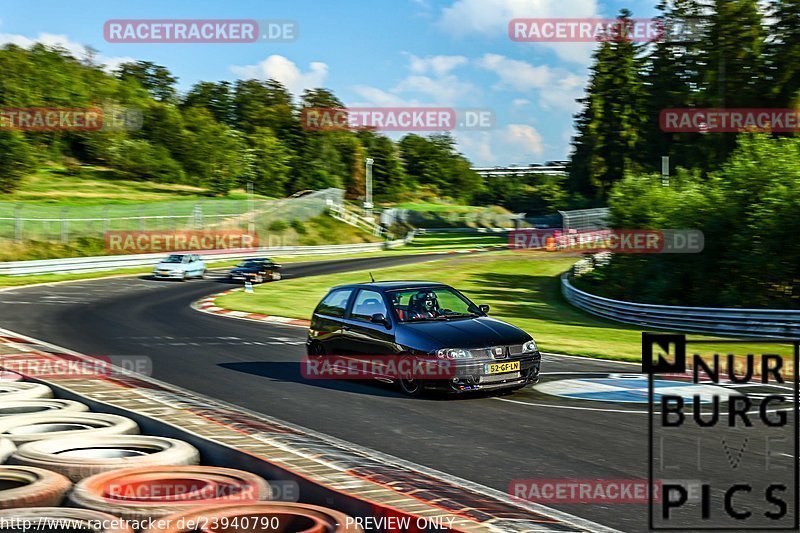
[255,270]
[424,319]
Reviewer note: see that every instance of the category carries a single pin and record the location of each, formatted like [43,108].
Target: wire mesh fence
[30,222]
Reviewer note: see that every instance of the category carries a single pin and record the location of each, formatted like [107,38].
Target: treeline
[749,213]
[219,135]
[742,190]
[745,54]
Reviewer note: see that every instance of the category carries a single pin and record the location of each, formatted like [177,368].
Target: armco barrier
[112,262]
[740,322]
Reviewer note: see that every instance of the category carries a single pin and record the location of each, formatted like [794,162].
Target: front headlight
[529,346]
[453,353]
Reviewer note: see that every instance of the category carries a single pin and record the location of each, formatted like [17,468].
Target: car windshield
[173,259]
[247,264]
[434,303]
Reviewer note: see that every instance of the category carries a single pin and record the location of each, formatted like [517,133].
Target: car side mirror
[380,318]
[484,309]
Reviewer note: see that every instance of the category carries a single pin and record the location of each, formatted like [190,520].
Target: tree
[434,162]
[213,152]
[155,79]
[15,159]
[217,98]
[609,127]
[270,163]
[782,53]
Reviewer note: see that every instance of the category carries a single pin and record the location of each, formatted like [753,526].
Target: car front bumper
[168,275]
[472,376]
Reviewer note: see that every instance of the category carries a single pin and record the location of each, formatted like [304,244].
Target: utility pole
[251,229]
[368,201]
[665,170]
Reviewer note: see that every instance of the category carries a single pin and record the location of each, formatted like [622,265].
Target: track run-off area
[586,420]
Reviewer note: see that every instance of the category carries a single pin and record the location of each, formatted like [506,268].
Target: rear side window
[335,303]
[368,303]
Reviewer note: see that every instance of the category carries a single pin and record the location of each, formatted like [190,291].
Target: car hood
[467,333]
[241,270]
[171,266]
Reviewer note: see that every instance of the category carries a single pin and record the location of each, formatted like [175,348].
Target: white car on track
[180,266]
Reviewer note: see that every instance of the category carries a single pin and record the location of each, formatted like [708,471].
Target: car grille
[494,378]
[507,351]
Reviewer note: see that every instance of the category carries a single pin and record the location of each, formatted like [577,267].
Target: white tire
[22,429]
[7,448]
[22,390]
[79,458]
[39,406]
[26,486]
[43,519]
[154,492]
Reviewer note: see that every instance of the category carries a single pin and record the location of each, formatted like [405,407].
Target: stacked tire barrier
[65,468]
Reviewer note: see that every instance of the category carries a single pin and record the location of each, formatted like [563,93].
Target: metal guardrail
[722,321]
[113,262]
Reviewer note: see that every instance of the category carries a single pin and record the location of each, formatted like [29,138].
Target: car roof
[256,259]
[392,285]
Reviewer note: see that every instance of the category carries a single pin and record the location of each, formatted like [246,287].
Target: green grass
[448,208]
[53,187]
[438,208]
[524,291]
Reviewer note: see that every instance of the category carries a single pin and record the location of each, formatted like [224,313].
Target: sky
[445,53]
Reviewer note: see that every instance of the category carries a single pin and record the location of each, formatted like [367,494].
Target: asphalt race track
[490,440]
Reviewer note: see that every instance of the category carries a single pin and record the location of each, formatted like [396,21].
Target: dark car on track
[255,270]
[418,319]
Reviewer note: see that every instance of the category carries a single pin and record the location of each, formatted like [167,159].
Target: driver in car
[424,305]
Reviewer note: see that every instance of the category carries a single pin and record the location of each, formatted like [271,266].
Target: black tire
[316,349]
[413,388]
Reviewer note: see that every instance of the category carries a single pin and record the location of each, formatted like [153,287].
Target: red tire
[46,518]
[25,486]
[153,492]
[269,516]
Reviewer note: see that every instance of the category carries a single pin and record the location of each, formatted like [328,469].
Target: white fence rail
[113,262]
[722,321]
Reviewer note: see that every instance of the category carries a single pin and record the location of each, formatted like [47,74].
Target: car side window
[368,303]
[335,303]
